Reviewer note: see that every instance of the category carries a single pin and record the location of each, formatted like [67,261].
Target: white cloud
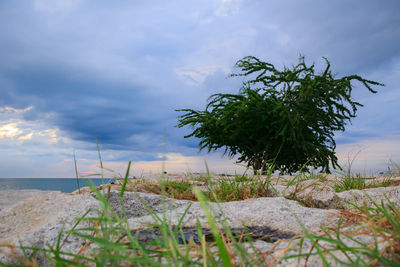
[374,154]
[227,8]
[9,130]
[7,109]
[25,137]
[178,163]
[13,126]
[173,47]
[52,134]
[195,75]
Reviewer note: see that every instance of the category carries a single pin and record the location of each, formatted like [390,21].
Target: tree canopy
[286,117]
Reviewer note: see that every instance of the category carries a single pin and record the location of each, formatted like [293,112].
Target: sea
[66,185]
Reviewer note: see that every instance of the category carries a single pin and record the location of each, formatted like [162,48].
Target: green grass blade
[75,225]
[125,179]
[77,175]
[102,242]
[101,161]
[218,239]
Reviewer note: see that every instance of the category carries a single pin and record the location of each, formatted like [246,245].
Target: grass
[222,189]
[178,190]
[381,221]
[107,239]
[350,182]
[114,244]
[394,167]
[239,188]
[76,174]
[243,187]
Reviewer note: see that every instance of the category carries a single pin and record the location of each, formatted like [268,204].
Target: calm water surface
[66,185]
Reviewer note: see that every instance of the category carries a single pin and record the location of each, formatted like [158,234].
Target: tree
[286,117]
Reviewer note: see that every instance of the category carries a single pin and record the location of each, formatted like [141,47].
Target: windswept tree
[286,118]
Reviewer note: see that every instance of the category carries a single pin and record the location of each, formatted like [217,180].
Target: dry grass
[216,189]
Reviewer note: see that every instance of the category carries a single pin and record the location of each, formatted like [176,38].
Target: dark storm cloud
[85,107]
[355,36]
[119,70]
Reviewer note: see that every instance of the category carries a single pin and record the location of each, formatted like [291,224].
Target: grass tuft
[239,188]
[350,182]
[381,221]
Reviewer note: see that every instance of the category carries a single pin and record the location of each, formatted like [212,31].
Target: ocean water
[66,185]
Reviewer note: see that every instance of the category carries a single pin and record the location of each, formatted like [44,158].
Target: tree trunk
[259,163]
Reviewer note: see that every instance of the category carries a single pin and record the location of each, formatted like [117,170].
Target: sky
[73,71]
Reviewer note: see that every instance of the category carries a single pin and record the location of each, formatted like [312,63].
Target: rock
[135,203]
[319,195]
[311,193]
[274,252]
[9,198]
[377,195]
[38,220]
[277,214]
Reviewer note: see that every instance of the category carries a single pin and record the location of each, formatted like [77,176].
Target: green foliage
[180,186]
[240,188]
[178,189]
[349,182]
[283,117]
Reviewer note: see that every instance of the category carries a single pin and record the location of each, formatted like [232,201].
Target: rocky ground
[9,198]
[277,223]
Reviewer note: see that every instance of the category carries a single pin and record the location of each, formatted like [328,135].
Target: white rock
[375,194]
[9,198]
[38,220]
[135,203]
[277,214]
[322,196]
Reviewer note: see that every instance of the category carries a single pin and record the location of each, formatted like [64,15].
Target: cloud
[370,155]
[174,163]
[379,116]
[9,130]
[25,137]
[7,109]
[72,71]
[13,126]
[195,76]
